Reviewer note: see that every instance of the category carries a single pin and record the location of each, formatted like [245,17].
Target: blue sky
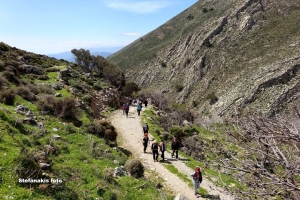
[54,26]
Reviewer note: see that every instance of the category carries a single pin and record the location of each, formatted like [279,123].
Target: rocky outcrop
[244,52]
[29,69]
[103,98]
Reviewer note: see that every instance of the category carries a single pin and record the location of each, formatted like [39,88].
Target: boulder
[29,69]
[58,86]
[58,95]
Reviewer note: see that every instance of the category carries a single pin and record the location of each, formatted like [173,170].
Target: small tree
[130,88]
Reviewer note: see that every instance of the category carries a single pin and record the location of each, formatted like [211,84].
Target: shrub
[204,10]
[212,98]
[130,88]
[66,108]
[3,47]
[8,97]
[2,65]
[25,93]
[188,61]
[135,168]
[177,132]
[207,43]
[43,77]
[2,82]
[179,88]
[111,134]
[45,89]
[95,128]
[52,69]
[195,103]
[97,87]
[190,17]
[163,64]
[11,77]
[27,166]
[87,98]
[46,103]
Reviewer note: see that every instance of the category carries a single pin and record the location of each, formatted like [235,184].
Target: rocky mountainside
[220,56]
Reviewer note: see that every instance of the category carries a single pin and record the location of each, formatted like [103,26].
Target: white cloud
[138,6]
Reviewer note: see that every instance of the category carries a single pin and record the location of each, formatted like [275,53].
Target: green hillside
[53,145]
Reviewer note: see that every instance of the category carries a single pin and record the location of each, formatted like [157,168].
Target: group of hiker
[138,103]
[155,147]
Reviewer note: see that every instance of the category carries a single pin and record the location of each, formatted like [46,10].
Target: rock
[58,86]
[116,162]
[181,197]
[29,120]
[65,73]
[107,151]
[29,69]
[186,123]
[49,148]
[56,137]
[40,125]
[55,129]
[44,165]
[21,109]
[29,114]
[58,95]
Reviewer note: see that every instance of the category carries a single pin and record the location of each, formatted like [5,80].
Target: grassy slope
[79,161]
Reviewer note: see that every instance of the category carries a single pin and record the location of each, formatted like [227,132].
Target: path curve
[130,131]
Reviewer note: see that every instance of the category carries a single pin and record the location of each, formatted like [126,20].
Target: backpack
[145,127]
[127,107]
[139,108]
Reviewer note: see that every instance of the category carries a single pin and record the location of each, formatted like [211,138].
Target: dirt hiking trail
[130,131]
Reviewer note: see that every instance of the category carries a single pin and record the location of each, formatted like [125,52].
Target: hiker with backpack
[196,179]
[146,129]
[146,141]
[154,148]
[162,146]
[127,109]
[123,108]
[175,147]
[139,108]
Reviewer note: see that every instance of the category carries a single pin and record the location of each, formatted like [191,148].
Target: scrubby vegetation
[52,145]
[253,156]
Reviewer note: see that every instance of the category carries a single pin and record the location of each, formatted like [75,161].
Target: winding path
[130,131]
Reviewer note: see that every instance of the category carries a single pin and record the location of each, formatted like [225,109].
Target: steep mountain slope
[221,55]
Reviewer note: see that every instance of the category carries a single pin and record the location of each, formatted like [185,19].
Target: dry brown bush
[66,108]
[2,82]
[135,168]
[25,93]
[45,89]
[46,103]
[8,97]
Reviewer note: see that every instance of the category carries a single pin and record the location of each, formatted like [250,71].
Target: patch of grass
[182,176]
